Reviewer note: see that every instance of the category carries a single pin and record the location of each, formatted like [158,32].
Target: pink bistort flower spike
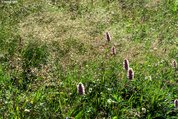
[81,89]
[176,103]
[108,37]
[113,50]
[174,64]
[130,74]
[126,64]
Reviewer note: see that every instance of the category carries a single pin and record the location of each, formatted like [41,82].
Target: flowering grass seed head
[81,89]
[126,64]
[130,74]
[108,37]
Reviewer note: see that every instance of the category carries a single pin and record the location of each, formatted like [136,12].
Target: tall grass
[48,49]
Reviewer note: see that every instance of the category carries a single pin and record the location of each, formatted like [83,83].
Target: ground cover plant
[82,59]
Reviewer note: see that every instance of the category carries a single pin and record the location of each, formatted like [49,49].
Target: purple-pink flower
[81,89]
[176,103]
[174,64]
[108,37]
[130,74]
[113,50]
[126,64]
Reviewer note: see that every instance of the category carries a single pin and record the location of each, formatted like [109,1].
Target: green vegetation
[48,47]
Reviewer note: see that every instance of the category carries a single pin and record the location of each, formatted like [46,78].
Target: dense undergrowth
[48,47]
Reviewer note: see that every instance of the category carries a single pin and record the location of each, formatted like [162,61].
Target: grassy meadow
[48,47]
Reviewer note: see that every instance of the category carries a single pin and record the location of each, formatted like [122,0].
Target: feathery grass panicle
[113,50]
[176,103]
[130,74]
[174,63]
[108,37]
[126,64]
[81,89]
